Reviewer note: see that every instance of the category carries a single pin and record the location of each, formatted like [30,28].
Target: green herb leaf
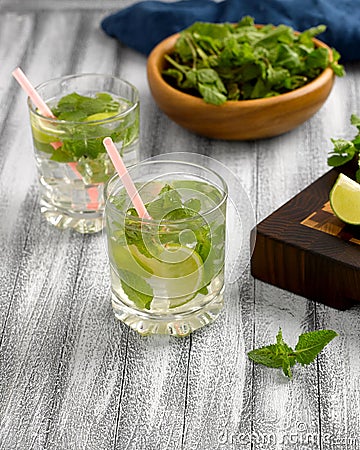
[143,295]
[78,107]
[278,355]
[310,345]
[193,203]
[61,155]
[357,175]
[344,150]
[268,356]
[167,201]
[355,120]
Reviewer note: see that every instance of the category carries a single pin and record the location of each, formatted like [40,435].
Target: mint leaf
[77,107]
[281,355]
[338,160]
[357,175]
[62,155]
[355,120]
[310,345]
[268,356]
[193,203]
[278,355]
[211,94]
[345,150]
[167,201]
[134,233]
[142,295]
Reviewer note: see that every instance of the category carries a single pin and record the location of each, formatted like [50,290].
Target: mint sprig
[281,355]
[169,206]
[82,140]
[346,150]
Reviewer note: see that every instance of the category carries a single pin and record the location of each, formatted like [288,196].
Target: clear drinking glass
[71,160]
[167,273]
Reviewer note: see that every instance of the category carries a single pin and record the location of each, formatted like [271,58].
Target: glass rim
[223,191]
[33,109]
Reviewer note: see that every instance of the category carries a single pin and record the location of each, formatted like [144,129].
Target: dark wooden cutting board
[303,248]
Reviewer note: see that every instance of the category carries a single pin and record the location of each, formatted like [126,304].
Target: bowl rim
[165,46]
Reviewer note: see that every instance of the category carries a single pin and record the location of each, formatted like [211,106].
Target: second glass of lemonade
[71,160]
[167,273]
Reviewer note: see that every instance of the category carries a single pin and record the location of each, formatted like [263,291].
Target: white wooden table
[71,376]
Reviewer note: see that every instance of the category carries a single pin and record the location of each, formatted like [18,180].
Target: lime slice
[101,116]
[177,273]
[42,137]
[124,259]
[44,131]
[345,200]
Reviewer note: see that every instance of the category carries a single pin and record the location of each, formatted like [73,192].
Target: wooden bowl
[236,120]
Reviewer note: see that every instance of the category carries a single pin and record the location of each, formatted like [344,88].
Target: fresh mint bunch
[281,355]
[345,150]
[221,62]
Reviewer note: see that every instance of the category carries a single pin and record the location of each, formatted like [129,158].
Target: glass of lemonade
[167,273]
[71,160]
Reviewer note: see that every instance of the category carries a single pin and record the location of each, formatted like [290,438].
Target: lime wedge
[345,200]
[100,116]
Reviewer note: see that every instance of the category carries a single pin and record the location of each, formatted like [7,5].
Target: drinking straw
[125,178]
[21,78]
[24,82]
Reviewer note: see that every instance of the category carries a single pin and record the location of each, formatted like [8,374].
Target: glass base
[179,325]
[86,222]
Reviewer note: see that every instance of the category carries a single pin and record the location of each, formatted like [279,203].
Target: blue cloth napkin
[144,24]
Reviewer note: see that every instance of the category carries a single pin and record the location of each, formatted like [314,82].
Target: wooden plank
[218,406]
[46,310]
[151,408]
[35,331]
[339,379]
[91,364]
[11,196]
[282,408]
[15,30]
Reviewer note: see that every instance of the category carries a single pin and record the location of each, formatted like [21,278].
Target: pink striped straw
[24,82]
[125,178]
